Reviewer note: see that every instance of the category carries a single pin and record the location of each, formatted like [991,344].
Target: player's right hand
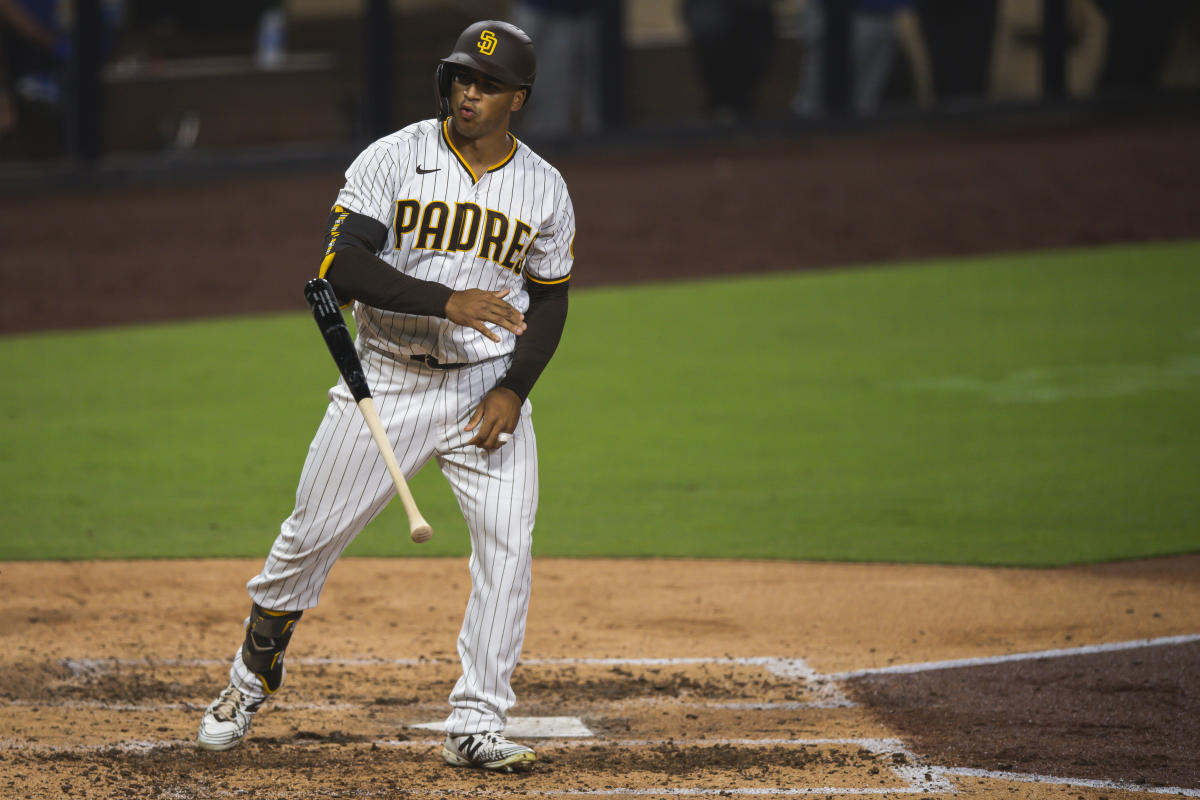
[473,308]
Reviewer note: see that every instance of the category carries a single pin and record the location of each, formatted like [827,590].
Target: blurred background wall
[95,79]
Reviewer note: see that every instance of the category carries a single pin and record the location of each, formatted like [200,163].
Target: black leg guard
[267,636]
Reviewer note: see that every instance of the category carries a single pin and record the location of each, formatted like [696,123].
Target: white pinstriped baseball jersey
[446,226]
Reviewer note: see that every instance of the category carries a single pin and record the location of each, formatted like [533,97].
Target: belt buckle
[426,359]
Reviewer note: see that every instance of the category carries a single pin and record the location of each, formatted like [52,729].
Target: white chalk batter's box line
[825,686]
[283,705]
[920,778]
[882,747]
[790,668]
[827,693]
[782,667]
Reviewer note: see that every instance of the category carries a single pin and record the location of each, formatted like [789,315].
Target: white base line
[1083,783]
[1065,652]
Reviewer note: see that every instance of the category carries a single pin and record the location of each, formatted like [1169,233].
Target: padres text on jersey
[447,224]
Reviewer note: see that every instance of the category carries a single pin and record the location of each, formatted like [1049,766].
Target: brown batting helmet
[495,48]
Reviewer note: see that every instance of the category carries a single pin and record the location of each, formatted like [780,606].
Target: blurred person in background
[734,42]
[1017,57]
[569,66]
[35,51]
[1123,46]
[877,27]
[36,48]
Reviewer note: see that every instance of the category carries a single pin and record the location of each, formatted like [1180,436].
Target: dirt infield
[674,677]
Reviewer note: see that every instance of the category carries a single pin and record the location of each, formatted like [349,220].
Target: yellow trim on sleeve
[325,265]
[547,283]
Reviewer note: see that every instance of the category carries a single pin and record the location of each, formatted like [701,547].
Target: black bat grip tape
[328,315]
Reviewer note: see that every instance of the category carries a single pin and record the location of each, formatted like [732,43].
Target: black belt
[433,363]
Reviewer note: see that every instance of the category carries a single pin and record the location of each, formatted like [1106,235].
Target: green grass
[1037,409]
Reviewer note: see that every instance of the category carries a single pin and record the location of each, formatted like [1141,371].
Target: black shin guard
[267,636]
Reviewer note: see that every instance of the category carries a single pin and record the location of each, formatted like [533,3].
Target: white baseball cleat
[227,720]
[488,750]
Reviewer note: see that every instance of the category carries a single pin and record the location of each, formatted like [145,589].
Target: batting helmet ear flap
[441,79]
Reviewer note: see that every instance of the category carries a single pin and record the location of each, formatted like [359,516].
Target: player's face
[481,104]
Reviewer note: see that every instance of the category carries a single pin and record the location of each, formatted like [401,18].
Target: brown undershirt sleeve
[355,274]
[545,319]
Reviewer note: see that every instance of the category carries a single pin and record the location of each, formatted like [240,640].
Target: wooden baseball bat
[328,315]
[420,530]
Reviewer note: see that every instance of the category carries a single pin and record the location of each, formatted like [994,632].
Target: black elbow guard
[345,230]
[348,228]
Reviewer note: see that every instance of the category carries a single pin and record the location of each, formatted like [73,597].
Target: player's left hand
[498,413]
[474,308]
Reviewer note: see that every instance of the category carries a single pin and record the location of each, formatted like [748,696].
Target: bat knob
[421,532]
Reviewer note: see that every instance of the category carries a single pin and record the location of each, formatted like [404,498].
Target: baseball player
[454,241]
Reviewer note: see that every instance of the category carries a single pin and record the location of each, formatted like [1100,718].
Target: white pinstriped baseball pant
[345,484]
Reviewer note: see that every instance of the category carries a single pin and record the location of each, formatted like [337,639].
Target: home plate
[533,727]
